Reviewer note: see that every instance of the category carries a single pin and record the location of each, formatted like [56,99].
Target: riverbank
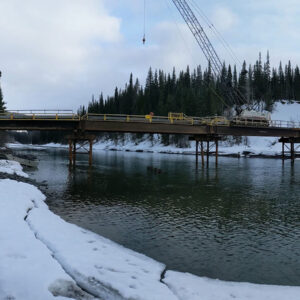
[84,265]
[260,147]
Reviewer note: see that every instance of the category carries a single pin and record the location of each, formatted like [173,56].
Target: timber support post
[85,143]
[208,139]
[70,152]
[91,152]
[291,149]
[74,152]
[217,151]
[292,152]
[197,152]
[202,154]
[207,153]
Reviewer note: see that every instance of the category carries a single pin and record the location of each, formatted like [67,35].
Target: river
[237,222]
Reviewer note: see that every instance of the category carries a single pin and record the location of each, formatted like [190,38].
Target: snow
[101,266]
[33,240]
[189,287]
[27,268]
[11,167]
[24,146]
[285,111]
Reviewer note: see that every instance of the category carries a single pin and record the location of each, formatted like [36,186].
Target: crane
[233,95]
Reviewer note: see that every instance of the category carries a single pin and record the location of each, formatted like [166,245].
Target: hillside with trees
[198,93]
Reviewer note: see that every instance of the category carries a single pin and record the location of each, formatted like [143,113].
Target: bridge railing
[220,121]
[265,123]
[211,121]
[59,115]
[285,124]
[68,115]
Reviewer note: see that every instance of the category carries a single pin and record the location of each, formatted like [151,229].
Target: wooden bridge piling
[217,151]
[74,140]
[197,152]
[202,154]
[292,152]
[209,140]
[91,152]
[291,148]
[283,152]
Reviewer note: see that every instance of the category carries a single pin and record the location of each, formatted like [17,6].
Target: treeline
[200,93]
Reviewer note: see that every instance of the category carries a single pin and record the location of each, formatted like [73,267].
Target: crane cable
[144,33]
[216,32]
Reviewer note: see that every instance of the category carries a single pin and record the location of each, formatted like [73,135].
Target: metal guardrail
[22,115]
[219,121]
[68,115]
[210,121]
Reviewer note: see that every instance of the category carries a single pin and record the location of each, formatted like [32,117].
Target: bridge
[203,130]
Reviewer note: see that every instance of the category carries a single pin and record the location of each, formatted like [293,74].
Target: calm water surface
[239,222]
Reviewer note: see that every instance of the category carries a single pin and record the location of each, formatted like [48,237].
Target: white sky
[56,53]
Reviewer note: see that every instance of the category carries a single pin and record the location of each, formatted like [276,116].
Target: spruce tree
[297,83]
[2,103]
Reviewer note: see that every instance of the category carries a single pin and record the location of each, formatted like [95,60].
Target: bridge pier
[292,141]
[82,140]
[209,140]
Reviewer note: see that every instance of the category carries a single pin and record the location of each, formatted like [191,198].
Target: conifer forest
[198,92]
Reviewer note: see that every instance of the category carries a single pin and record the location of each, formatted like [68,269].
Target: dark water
[239,222]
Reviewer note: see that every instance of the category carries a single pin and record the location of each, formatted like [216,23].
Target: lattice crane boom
[200,35]
[234,95]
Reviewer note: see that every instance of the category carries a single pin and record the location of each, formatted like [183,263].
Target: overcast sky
[56,53]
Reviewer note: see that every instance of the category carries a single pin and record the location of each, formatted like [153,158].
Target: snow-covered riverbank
[44,257]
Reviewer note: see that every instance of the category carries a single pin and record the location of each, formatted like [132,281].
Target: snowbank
[27,269]
[187,286]
[24,146]
[100,266]
[38,251]
[11,167]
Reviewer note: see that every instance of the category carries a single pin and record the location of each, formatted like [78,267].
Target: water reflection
[239,221]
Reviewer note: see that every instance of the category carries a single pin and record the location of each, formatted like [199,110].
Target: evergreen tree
[202,94]
[243,81]
[297,84]
[2,103]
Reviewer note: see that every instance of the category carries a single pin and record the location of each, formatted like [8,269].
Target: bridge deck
[145,124]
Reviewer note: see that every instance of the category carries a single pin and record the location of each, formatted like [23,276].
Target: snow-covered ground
[43,257]
[252,145]
[189,287]
[12,167]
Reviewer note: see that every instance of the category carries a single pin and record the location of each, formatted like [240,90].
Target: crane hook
[144,37]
